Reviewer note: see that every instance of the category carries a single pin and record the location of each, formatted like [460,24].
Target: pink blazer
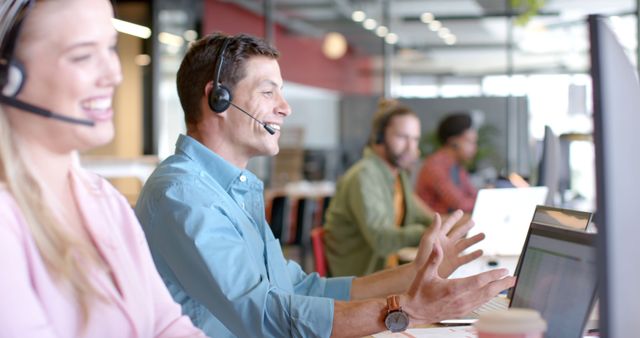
[32,304]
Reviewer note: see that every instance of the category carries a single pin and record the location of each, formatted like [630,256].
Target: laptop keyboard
[495,304]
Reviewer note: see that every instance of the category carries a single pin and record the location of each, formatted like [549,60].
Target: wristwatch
[395,320]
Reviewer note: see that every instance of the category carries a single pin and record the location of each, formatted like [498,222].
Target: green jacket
[359,228]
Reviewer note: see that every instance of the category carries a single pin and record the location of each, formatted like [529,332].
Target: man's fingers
[493,288]
[432,233]
[464,244]
[476,297]
[437,222]
[433,263]
[480,280]
[462,260]
[460,231]
[452,220]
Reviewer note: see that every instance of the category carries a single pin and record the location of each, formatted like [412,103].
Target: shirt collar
[213,164]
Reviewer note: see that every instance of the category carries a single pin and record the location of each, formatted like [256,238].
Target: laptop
[557,277]
[504,215]
[558,217]
[574,219]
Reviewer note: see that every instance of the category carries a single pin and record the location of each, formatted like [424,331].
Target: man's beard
[395,158]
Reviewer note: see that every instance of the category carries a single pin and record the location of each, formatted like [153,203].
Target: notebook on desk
[557,277]
[503,215]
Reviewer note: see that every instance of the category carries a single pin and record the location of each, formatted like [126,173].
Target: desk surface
[436,332]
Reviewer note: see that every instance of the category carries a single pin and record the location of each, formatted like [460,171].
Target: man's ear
[208,88]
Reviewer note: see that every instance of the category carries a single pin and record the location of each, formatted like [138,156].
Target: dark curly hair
[453,125]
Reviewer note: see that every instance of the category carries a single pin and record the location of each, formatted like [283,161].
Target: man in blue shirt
[203,215]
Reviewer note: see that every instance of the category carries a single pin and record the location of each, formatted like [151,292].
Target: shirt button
[242,205]
[243,178]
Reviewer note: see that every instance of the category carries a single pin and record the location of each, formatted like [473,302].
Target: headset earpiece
[380,137]
[12,72]
[220,96]
[13,79]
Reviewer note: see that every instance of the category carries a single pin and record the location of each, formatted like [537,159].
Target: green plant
[526,8]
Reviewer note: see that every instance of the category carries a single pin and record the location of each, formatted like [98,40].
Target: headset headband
[12,14]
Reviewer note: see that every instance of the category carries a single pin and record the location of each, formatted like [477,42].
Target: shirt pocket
[277,266]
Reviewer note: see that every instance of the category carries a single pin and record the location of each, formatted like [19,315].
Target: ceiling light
[131,28]
[358,16]
[172,49]
[190,35]
[334,45]
[443,32]
[435,25]
[369,24]
[382,31]
[426,17]
[450,39]
[391,38]
[170,39]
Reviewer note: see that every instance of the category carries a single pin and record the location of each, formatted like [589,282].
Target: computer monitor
[616,114]
[553,171]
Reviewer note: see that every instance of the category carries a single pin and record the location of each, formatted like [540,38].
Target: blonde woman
[74,260]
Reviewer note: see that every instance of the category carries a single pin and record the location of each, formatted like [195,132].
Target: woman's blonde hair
[63,252]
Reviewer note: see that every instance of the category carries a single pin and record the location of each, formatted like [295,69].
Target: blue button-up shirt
[205,224]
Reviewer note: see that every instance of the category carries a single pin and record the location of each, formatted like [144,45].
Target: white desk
[436,332]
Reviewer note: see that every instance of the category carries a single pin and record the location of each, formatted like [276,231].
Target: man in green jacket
[374,212]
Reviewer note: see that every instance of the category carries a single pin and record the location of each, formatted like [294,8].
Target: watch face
[397,321]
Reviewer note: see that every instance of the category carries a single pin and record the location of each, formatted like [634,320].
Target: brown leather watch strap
[393,303]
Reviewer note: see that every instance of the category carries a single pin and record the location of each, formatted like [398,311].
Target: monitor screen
[616,117]
[573,219]
[549,168]
[557,277]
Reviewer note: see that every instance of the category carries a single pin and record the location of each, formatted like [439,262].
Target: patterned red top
[444,185]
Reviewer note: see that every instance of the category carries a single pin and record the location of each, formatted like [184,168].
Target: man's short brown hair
[197,67]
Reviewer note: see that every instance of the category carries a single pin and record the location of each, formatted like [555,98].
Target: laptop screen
[574,219]
[504,216]
[557,277]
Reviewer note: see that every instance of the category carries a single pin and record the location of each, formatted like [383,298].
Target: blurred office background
[515,67]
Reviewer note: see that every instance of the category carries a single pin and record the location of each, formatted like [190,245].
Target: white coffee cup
[512,323]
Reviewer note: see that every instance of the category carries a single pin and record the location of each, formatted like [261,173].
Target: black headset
[12,72]
[382,121]
[382,126]
[220,96]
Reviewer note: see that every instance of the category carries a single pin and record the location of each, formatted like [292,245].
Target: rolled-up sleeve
[215,262]
[312,284]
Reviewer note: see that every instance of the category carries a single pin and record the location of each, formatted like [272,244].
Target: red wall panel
[301,60]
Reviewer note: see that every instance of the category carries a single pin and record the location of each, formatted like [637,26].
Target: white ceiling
[555,40]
